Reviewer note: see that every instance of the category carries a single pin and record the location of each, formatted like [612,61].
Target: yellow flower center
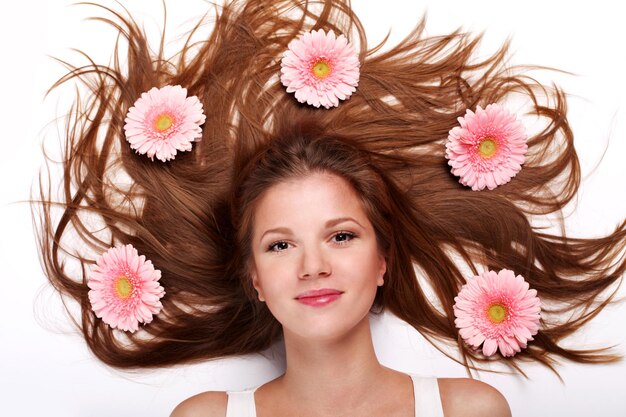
[487,147]
[497,313]
[321,69]
[163,122]
[123,287]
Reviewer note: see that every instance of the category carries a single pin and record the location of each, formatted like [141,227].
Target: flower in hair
[124,288]
[320,68]
[499,311]
[163,121]
[488,149]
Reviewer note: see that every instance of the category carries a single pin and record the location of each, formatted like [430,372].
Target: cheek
[270,275]
[365,263]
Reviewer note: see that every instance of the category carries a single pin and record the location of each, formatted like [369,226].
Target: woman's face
[315,258]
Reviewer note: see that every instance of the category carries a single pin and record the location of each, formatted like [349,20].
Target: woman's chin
[325,331]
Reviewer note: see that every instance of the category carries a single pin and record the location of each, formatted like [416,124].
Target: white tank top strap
[427,397]
[241,403]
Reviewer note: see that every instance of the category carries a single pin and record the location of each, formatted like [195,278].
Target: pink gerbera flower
[163,121]
[320,68]
[488,149]
[124,288]
[499,311]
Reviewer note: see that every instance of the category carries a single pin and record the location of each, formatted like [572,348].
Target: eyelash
[272,246]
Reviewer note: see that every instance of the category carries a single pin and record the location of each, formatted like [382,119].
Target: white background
[45,369]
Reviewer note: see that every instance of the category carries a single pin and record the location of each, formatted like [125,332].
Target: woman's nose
[314,264]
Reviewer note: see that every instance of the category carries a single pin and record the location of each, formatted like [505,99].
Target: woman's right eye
[278,246]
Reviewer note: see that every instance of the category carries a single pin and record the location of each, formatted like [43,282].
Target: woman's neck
[338,371]
[340,377]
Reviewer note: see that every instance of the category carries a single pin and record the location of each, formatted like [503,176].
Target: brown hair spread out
[192,216]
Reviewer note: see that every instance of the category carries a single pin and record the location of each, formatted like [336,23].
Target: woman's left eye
[343,237]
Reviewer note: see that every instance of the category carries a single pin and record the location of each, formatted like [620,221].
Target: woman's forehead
[315,199]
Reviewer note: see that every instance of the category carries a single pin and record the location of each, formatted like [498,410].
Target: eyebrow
[329,223]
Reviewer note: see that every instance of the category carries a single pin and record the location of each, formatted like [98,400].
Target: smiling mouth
[319,298]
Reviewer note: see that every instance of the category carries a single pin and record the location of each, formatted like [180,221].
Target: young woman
[268,216]
[320,240]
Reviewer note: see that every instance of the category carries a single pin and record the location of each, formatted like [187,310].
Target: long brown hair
[191,216]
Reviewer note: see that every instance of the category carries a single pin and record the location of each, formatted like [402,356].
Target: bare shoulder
[464,397]
[206,404]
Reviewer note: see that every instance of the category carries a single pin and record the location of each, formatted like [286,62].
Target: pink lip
[319,298]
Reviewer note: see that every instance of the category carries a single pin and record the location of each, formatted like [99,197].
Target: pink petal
[144,299]
[139,128]
[296,75]
[478,172]
[523,309]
